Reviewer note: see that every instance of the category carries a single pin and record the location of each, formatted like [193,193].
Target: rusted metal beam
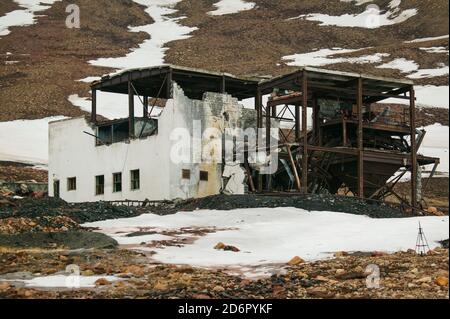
[259,122]
[359,105]
[94,106]
[145,106]
[344,132]
[169,84]
[316,119]
[268,127]
[294,167]
[305,131]
[130,110]
[433,171]
[412,123]
[223,87]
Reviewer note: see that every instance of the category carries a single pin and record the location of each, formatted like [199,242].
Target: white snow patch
[434,49]
[149,53]
[25,16]
[90,79]
[109,105]
[427,95]
[429,73]
[275,235]
[152,51]
[428,39]
[25,140]
[231,6]
[371,18]
[404,65]
[357,2]
[63,281]
[436,144]
[330,56]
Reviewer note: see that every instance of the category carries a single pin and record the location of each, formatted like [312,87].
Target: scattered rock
[219,246]
[340,254]
[378,253]
[424,280]
[4,286]
[320,292]
[321,278]
[222,246]
[102,282]
[160,286]
[441,281]
[295,261]
[218,289]
[340,272]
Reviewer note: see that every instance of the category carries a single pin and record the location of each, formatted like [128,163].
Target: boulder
[441,281]
[219,246]
[295,261]
[102,282]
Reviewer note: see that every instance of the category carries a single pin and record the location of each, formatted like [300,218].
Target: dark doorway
[56,188]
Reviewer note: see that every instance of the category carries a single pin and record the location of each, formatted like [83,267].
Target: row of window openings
[117,181]
[100,182]
[186,174]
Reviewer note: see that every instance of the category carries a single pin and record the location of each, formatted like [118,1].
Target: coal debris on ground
[310,202]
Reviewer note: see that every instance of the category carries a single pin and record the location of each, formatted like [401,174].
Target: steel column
[130,110]
[360,139]
[94,106]
[305,132]
[412,123]
[145,106]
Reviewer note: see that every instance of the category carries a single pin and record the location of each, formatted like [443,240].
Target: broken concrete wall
[72,153]
[216,112]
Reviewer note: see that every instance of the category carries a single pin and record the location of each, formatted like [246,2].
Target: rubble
[311,202]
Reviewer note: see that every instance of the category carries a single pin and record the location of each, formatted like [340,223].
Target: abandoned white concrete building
[131,159]
[349,141]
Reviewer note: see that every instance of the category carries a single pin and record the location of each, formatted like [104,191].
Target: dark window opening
[118,130]
[117,182]
[204,176]
[135,182]
[186,174]
[99,185]
[71,184]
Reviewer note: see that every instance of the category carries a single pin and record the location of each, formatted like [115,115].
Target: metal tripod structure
[422,246]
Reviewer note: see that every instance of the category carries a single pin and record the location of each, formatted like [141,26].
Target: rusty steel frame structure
[310,84]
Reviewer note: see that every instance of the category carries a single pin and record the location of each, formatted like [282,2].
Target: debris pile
[311,202]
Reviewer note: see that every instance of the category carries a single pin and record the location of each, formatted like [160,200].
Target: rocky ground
[52,58]
[402,275]
[15,172]
[41,237]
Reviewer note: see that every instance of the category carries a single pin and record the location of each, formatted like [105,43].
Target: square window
[186,174]
[71,184]
[135,180]
[204,176]
[99,185]
[117,182]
